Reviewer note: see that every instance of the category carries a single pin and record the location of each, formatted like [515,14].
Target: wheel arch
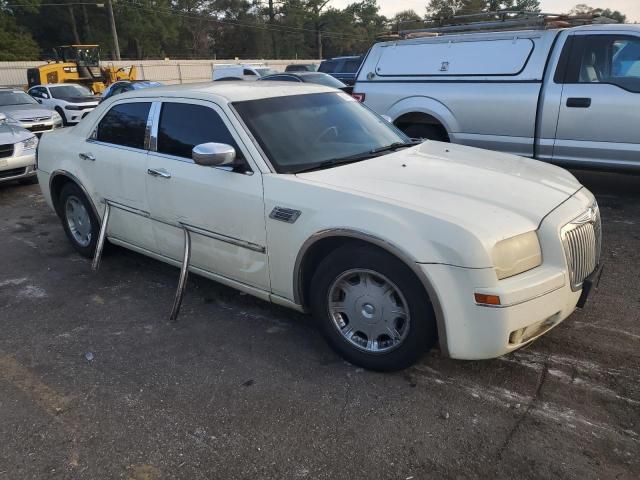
[427,108]
[57,180]
[325,241]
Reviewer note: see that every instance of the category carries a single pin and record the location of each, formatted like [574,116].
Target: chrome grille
[582,239]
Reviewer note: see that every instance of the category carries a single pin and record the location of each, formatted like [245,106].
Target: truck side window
[124,125]
[249,72]
[611,59]
[183,126]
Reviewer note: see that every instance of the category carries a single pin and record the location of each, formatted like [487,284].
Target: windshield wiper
[395,145]
[357,157]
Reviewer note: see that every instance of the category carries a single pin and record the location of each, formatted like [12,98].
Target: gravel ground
[95,383]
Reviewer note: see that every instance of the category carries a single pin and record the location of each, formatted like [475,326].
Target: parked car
[343,68]
[24,109]
[241,72]
[308,199]
[308,77]
[127,86]
[301,67]
[17,152]
[568,96]
[72,101]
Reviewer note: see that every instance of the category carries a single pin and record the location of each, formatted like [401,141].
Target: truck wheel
[371,308]
[423,130]
[78,220]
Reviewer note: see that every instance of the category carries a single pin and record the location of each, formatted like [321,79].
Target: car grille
[35,119]
[6,150]
[582,239]
[14,172]
[40,128]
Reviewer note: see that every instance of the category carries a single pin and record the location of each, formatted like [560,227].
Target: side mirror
[3,118]
[213,154]
[45,95]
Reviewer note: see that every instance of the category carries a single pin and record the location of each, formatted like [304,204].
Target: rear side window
[124,125]
[248,72]
[446,58]
[183,126]
[328,66]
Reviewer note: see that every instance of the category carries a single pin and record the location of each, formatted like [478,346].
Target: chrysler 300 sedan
[302,196]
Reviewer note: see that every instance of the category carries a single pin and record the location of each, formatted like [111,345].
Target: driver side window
[611,59]
[182,126]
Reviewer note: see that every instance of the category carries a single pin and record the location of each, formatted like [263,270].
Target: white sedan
[299,195]
[72,101]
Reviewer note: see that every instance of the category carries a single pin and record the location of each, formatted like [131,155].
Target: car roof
[57,84]
[230,91]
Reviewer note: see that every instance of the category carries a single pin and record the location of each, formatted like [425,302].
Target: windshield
[323,79]
[265,71]
[66,91]
[15,97]
[300,132]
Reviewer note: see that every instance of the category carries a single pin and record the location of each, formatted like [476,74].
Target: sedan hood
[13,134]
[25,112]
[496,194]
[83,99]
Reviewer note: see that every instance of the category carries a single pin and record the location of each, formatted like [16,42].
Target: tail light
[358,96]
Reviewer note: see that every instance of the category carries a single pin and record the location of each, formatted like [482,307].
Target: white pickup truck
[570,96]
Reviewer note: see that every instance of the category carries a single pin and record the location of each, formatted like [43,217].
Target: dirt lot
[242,389]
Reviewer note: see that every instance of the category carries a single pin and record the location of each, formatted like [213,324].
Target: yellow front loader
[79,64]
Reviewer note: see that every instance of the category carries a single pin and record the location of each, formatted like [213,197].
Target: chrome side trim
[192,228]
[385,245]
[224,238]
[70,176]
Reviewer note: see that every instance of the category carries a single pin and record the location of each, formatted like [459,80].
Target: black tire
[422,331]
[64,117]
[29,180]
[71,190]
[423,130]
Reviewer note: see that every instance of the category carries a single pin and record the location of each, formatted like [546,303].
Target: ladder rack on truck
[498,21]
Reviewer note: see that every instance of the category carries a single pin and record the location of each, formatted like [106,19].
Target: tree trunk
[85,24]
[74,29]
[272,17]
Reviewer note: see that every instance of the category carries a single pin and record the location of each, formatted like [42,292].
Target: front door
[224,204]
[115,158]
[600,106]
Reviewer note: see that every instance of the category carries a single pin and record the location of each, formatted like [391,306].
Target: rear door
[600,103]
[116,159]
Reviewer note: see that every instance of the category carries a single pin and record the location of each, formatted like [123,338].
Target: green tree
[584,9]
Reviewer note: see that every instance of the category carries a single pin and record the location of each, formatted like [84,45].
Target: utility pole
[114,32]
[319,43]
[74,28]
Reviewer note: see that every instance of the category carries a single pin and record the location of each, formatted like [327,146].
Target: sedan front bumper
[17,168]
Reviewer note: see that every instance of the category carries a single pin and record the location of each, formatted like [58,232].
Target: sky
[631,8]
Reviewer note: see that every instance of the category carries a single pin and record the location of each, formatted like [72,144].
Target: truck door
[600,102]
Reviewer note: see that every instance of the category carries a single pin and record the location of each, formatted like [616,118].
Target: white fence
[165,71]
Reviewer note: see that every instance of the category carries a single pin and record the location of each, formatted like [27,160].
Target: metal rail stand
[101,237]
[184,273]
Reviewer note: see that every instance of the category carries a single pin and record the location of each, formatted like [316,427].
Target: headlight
[27,146]
[516,255]
[74,107]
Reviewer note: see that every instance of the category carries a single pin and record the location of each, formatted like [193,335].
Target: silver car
[17,152]
[25,110]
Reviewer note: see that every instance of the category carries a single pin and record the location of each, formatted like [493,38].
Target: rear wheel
[64,117]
[79,222]
[371,308]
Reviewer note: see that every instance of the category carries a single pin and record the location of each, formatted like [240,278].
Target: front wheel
[79,222]
[372,309]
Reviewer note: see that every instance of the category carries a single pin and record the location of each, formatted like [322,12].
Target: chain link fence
[165,71]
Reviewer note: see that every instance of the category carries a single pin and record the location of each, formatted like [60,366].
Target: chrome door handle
[87,156]
[158,173]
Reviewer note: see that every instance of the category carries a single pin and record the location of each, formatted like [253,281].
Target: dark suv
[343,68]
